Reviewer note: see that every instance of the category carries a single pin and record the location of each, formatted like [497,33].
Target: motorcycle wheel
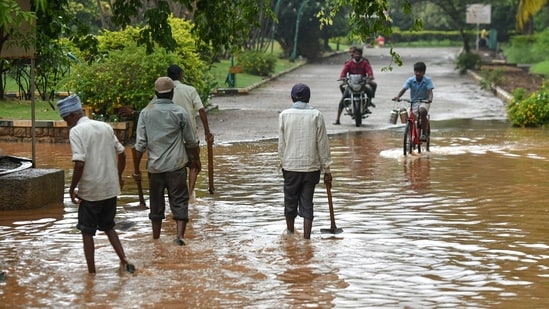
[357,113]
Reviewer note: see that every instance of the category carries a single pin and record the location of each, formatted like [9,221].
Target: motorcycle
[356,104]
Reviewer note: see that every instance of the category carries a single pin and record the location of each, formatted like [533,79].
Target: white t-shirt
[94,143]
[187,97]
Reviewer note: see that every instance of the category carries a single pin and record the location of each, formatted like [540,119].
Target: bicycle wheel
[407,142]
[419,132]
[428,133]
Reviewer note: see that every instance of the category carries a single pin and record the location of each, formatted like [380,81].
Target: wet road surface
[463,226]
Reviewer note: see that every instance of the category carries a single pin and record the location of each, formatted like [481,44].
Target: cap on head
[69,105]
[163,84]
[301,92]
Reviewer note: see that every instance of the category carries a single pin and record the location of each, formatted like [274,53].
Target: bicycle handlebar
[410,101]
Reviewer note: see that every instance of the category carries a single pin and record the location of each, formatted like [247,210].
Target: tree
[227,24]
[367,20]
[220,24]
[12,17]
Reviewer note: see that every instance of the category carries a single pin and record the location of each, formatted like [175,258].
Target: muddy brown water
[463,226]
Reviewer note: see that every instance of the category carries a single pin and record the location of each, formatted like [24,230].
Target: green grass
[17,109]
[525,55]
[541,68]
[220,70]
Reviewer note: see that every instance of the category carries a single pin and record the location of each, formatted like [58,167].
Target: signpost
[478,14]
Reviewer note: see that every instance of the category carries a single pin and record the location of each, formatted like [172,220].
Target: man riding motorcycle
[358,65]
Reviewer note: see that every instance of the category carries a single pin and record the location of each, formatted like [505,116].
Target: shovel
[333,228]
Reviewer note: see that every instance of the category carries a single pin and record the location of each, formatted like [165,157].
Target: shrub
[468,61]
[124,78]
[529,110]
[257,62]
[122,73]
[528,48]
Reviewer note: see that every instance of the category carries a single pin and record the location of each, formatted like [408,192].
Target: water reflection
[461,226]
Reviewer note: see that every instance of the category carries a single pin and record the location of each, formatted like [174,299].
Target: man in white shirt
[304,152]
[187,97]
[99,161]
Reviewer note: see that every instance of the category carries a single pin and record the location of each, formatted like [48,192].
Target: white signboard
[479,14]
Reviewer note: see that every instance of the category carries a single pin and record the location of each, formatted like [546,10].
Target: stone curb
[500,93]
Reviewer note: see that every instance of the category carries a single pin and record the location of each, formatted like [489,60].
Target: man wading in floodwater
[304,151]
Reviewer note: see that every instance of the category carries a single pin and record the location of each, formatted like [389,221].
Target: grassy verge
[220,70]
[18,109]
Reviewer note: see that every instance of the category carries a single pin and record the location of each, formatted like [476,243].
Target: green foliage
[468,61]
[125,77]
[491,78]
[221,24]
[528,48]
[256,62]
[123,72]
[541,68]
[529,110]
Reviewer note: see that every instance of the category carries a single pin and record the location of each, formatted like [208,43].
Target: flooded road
[461,226]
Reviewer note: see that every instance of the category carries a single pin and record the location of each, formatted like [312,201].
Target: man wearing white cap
[99,161]
[165,131]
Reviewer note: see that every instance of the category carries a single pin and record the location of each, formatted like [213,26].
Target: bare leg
[181,226]
[290,224]
[423,115]
[117,246]
[156,227]
[307,227]
[339,111]
[115,242]
[89,251]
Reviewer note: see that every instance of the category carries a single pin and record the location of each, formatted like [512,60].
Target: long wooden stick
[139,185]
[210,167]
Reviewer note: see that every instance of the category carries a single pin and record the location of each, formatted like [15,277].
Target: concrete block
[31,188]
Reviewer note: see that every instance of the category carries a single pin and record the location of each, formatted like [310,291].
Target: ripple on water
[460,226]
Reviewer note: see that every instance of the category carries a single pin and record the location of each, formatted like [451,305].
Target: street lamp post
[299,12]
[273,29]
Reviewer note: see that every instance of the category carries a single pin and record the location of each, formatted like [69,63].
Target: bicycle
[412,132]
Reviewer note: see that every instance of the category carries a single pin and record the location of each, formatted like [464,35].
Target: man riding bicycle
[421,88]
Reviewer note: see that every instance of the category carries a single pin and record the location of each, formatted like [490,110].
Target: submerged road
[254,116]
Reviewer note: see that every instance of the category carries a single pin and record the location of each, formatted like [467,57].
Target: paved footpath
[254,116]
